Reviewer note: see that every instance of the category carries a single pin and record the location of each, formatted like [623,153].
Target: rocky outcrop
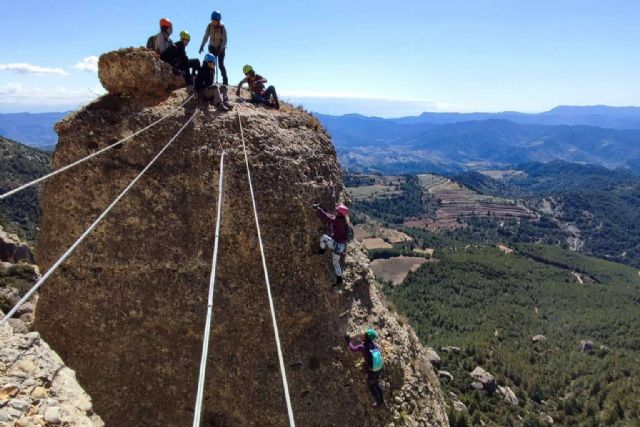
[12,250]
[538,339]
[36,388]
[509,396]
[138,72]
[483,380]
[135,292]
[586,345]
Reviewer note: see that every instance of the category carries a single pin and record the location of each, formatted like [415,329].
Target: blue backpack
[376,359]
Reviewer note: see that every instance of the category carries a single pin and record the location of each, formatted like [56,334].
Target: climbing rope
[90,156]
[91,227]
[266,278]
[197,412]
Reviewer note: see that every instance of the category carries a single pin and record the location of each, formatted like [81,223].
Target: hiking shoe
[276,105]
[320,251]
[338,280]
[228,105]
[221,107]
[377,405]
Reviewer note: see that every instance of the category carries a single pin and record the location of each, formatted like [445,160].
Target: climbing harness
[90,156]
[266,278]
[92,226]
[197,412]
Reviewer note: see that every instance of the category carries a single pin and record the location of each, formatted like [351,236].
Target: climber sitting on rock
[339,231]
[207,89]
[161,41]
[176,56]
[256,86]
[373,363]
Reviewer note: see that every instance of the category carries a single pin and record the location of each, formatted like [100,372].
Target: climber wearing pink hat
[339,232]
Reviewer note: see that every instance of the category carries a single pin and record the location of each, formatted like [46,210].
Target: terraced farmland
[456,202]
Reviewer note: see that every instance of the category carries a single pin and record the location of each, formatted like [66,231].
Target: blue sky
[367,56]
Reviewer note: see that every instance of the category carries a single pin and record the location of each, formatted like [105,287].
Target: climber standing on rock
[206,87]
[337,240]
[216,34]
[373,363]
[161,41]
[256,86]
[176,56]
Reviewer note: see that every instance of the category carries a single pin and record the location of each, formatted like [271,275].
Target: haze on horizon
[355,57]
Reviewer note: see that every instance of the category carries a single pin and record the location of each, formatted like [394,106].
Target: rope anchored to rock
[212,284]
[266,278]
[92,155]
[92,226]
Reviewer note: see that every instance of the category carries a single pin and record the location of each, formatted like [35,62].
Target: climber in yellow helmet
[176,56]
[256,86]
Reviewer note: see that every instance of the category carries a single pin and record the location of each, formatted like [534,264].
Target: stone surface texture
[134,293]
[35,385]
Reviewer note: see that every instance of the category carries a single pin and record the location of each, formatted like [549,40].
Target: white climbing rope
[91,227]
[292,422]
[90,156]
[197,412]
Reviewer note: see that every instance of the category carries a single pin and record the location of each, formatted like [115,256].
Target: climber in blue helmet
[206,87]
[373,363]
[216,34]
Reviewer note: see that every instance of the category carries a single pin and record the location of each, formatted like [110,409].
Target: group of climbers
[202,77]
[336,241]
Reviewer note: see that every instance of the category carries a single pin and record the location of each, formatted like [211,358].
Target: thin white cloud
[89,64]
[24,68]
[14,94]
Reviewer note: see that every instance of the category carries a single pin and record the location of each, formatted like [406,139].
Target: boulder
[138,72]
[454,350]
[135,335]
[586,345]
[19,327]
[605,349]
[484,378]
[508,395]
[12,249]
[459,406]
[445,375]
[538,338]
[432,357]
[27,307]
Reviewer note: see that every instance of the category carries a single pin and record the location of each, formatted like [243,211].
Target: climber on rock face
[256,86]
[339,231]
[161,41]
[373,363]
[176,56]
[207,89]
[216,33]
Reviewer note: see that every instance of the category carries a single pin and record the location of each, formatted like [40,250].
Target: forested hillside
[19,164]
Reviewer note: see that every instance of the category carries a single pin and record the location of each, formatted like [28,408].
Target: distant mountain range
[453,142]
[35,130]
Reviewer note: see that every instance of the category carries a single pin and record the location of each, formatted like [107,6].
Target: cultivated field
[367,187]
[395,270]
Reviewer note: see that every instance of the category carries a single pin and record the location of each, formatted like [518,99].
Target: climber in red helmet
[161,41]
[337,240]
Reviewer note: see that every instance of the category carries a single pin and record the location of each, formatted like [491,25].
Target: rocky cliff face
[127,310]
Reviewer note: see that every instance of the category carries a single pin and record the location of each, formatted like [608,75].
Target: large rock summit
[127,310]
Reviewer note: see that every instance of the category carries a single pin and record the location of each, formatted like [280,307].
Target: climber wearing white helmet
[339,233]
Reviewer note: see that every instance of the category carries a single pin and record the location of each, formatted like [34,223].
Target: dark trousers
[269,93]
[373,381]
[220,55]
[189,70]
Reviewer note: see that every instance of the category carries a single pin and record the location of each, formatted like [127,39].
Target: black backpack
[151,42]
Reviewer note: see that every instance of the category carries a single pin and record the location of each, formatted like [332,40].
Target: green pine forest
[491,304]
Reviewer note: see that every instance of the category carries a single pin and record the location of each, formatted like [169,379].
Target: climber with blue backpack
[216,34]
[373,363]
